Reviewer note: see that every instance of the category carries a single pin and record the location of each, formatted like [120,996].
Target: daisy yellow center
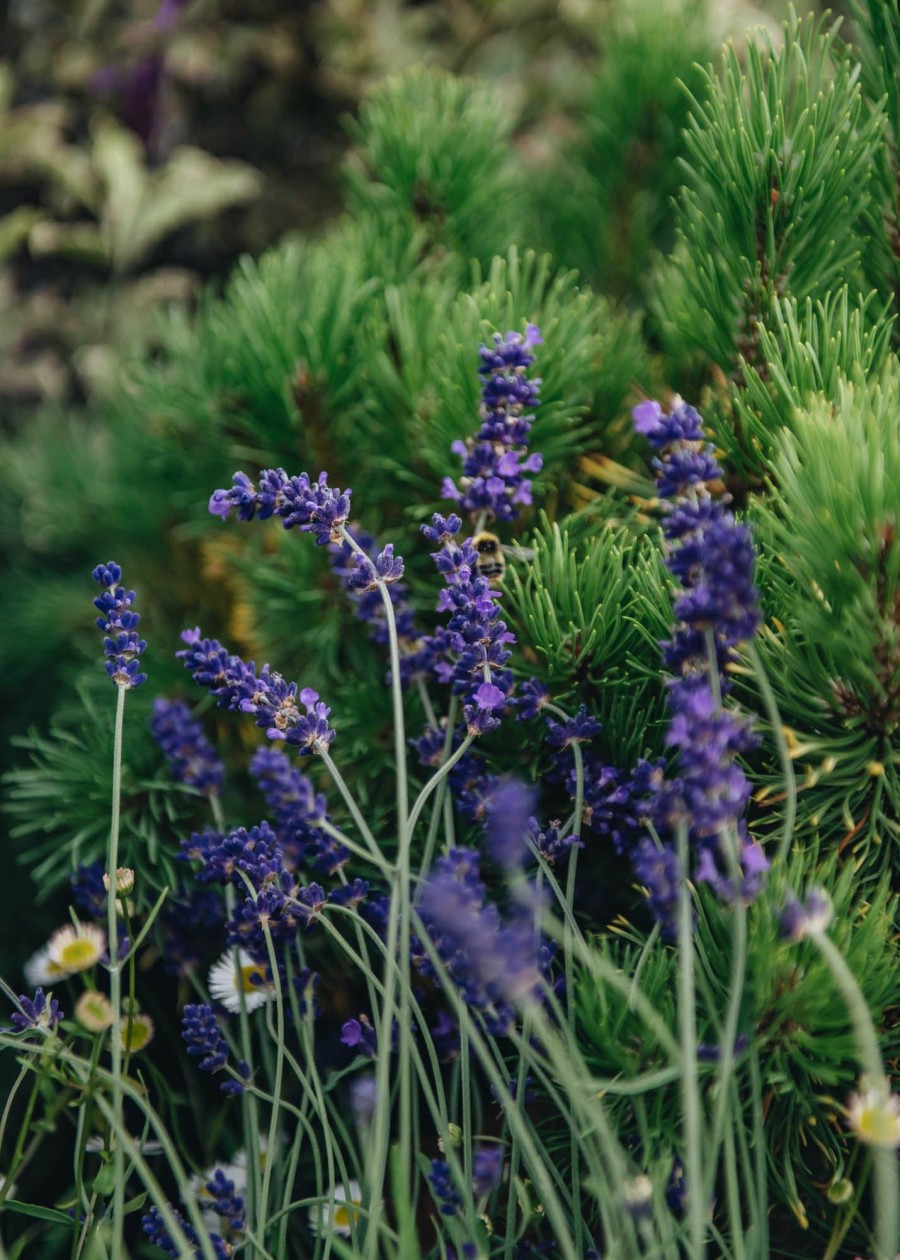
[78,954]
[879,1126]
[343,1215]
[250,973]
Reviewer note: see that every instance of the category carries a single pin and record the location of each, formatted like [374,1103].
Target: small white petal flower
[124,880]
[874,1114]
[337,1217]
[76,948]
[40,970]
[226,981]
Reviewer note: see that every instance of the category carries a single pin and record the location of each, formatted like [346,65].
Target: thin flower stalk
[690,1092]
[115,980]
[568,959]
[538,1169]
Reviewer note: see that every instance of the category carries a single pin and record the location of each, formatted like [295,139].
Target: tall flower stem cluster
[119,623]
[711,556]
[494,484]
[314,507]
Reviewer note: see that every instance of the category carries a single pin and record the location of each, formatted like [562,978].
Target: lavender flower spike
[271,700]
[711,555]
[495,479]
[122,644]
[311,506]
[204,1039]
[190,757]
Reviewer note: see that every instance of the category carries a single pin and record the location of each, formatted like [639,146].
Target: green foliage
[435,149]
[877,44]
[623,172]
[832,588]
[779,162]
[594,615]
[809,350]
[60,802]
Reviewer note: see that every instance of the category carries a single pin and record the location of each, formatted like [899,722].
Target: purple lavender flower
[311,506]
[256,853]
[138,85]
[495,479]
[88,890]
[495,965]
[753,867]
[41,1011]
[445,1193]
[443,529]
[154,1227]
[676,1188]
[574,730]
[615,804]
[531,699]
[190,757]
[711,555]
[284,907]
[682,424]
[549,843]
[508,807]
[473,650]
[445,1035]
[801,919]
[359,1034]
[201,1032]
[713,1053]
[226,1202]
[362,576]
[711,791]
[350,895]
[487,1169]
[659,872]
[271,700]
[122,644]
[299,812]
[511,1092]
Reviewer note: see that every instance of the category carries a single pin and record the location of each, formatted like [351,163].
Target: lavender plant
[392,973]
[426,1043]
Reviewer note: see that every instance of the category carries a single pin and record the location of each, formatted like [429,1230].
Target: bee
[491,562]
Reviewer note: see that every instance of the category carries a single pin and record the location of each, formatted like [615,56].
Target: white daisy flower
[339,1216]
[874,1114]
[226,982]
[76,948]
[40,970]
